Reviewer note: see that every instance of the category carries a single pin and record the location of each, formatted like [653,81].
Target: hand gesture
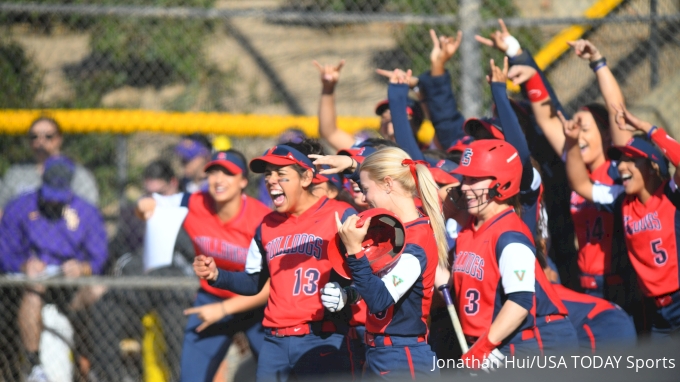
[498,38]
[444,47]
[625,120]
[497,74]
[351,235]
[330,74]
[337,163]
[570,127]
[33,267]
[205,268]
[396,74]
[520,74]
[145,208]
[72,269]
[585,50]
[209,314]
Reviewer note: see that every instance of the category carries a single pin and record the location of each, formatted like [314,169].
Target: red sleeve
[669,146]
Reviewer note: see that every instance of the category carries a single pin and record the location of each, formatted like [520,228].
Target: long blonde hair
[388,162]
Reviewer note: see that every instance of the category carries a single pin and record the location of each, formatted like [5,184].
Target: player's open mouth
[583,147]
[278,198]
[625,178]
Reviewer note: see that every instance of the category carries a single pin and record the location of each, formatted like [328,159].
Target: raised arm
[577,172]
[609,87]
[328,128]
[397,94]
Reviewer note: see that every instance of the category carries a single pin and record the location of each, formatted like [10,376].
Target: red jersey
[594,228]
[228,242]
[480,283]
[651,232]
[294,250]
[408,317]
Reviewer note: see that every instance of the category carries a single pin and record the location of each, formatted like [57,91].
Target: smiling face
[358,196]
[590,140]
[633,173]
[224,186]
[286,187]
[476,193]
[375,194]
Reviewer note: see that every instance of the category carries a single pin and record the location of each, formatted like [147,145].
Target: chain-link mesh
[244,57]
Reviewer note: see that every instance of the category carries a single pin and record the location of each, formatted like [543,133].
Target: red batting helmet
[495,159]
[382,245]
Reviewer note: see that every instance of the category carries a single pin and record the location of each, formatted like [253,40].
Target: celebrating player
[647,207]
[221,223]
[290,247]
[398,300]
[505,302]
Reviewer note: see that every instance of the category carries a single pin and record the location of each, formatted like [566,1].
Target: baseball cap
[56,180]
[638,147]
[413,109]
[460,144]
[281,155]
[441,170]
[336,179]
[189,149]
[358,153]
[229,161]
[491,125]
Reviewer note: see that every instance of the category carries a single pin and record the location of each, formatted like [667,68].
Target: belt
[304,329]
[667,299]
[388,340]
[590,282]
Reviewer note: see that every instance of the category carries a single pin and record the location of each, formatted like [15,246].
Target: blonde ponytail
[388,162]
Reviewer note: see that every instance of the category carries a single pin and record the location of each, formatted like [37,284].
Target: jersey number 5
[472,307]
[311,285]
[660,255]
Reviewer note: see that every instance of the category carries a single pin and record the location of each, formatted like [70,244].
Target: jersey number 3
[660,255]
[472,307]
[311,285]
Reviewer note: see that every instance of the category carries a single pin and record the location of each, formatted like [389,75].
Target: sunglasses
[48,137]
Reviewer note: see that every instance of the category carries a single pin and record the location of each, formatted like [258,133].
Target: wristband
[535,88]
[597,64]
[651,132]
[513,46]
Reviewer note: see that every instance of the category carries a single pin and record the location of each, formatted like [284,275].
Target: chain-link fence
[251,57]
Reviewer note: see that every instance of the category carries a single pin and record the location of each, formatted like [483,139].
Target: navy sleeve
[238,282]
[523,299]
[348,212]
[185,199]
[441,103]
[513,132]
[397,94]
[527,59]
[673,196]
[370,287]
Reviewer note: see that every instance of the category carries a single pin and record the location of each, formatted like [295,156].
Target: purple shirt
[79,234]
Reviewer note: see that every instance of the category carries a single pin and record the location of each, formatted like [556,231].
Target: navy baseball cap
[638,147]
[189,149]
[491,125]
[229,161]
[336,179]
[441,170]
[281,155]
[358,153]
[460,144]
[56,180]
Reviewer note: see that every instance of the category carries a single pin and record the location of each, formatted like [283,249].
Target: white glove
[333,297]
[493,361]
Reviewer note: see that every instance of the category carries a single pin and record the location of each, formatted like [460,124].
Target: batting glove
[483,355]
[333,297]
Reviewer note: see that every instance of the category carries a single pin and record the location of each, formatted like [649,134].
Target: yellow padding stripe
[131,121]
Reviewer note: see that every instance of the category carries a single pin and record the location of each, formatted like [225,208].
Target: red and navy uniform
[396,332]
[292,250]
[599,323]
[480,294]
[595,233]
[227,243]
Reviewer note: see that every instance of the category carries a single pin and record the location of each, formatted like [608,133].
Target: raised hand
[337,163]
[351,235]
[398,73]
[570,127]
[497,74]
[520,74]
[501,40]
[443,48]
[625,120]
[330,74]
[205,268]
[209,314]
[585,50]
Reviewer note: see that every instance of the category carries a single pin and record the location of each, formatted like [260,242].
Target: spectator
[45,232]
[45,140]
[194,152]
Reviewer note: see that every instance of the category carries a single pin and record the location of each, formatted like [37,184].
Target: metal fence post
[653,45]
[471,70]
[121,165]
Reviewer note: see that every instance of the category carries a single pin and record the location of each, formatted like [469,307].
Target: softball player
[290,247]
[505,303]
[399,300]
[646,206]
[221,223]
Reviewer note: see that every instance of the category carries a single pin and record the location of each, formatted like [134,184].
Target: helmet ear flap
[493,192]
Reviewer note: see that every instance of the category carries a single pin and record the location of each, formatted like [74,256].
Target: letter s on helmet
[382,246]
[493,158]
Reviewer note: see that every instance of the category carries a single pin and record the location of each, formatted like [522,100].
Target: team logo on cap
[467,157]
[361,151]
[222,156]
[440,163]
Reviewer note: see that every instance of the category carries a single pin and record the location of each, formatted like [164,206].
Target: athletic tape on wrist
[513,46]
